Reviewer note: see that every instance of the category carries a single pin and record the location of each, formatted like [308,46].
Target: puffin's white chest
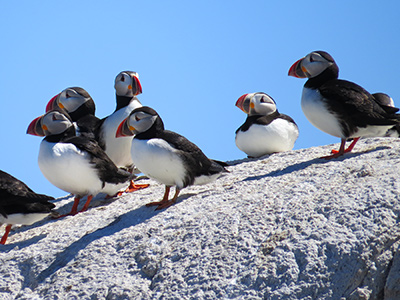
[278,136]
[158,160]
[68,168]
[317,113]
[118,149]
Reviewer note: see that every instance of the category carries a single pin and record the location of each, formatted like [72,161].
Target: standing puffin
[73,163]
[166,156]
[127,87]
[338,107]
[19,204]
[265,130]
[386,100]
[80,106]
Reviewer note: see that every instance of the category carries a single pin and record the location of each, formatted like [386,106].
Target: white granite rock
[285,226]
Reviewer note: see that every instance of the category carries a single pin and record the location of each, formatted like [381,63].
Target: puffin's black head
[383,99]
[257,104]
[142,119]
[314,64]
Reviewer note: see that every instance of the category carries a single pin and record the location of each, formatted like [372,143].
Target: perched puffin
[19,204]
[75,164]
[127,87]
[386,100]
[338,107]
[166,156]
[80,106]
[265,130]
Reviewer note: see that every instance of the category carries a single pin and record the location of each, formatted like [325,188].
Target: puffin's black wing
[355,105]
[196,162]
[88,126]
[263,120]
[13,187]
[16,196]
[106,169]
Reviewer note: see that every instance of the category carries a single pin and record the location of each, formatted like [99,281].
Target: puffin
[386,100]
[20,205]
[265,130]
[80,106]
[75,164]
[127,87]
[339,107]
[166,156]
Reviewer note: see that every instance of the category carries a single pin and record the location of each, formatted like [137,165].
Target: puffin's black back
[355,106]
[17,197]
[105,167]
[195,161]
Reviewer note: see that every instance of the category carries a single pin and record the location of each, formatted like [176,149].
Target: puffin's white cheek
[121,88]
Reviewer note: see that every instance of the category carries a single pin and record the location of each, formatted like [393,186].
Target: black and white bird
[386,100]
[338,107]
[75,164]
[166,156]
[20,205]
[80,106]
[127,87]
[265,130]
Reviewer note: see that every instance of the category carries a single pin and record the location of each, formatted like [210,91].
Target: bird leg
[170,202]
[342,149]
[5,236]
[164,203]
[85,207]
[350,147]
[164,199]
[74,209]
[338,153]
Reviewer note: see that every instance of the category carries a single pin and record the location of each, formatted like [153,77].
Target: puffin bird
[338,107]
[75,164]
[127,87]
[385,100]
[80,106]
[20,205]
[166,156]
[265,130]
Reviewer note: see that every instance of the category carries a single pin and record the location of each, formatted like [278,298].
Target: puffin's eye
[122,78]
[66,95]
[311,58]
[137,118]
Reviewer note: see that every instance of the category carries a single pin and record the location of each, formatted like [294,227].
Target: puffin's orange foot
[134,187]
[161,204]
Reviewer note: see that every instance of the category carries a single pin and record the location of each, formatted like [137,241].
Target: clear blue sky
[194,58]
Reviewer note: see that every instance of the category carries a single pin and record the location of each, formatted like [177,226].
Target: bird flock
[84,155]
